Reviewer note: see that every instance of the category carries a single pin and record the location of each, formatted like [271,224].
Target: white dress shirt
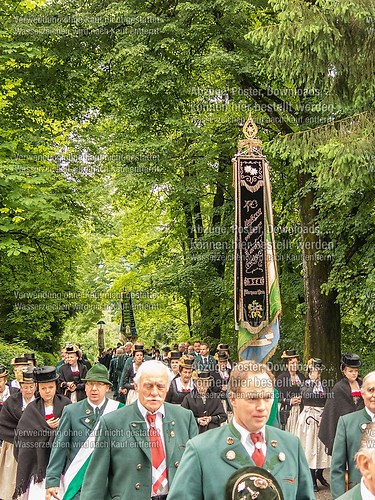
[365,493]
[246,440]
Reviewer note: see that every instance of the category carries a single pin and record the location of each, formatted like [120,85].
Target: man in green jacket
[75,436]
[138,449]
[211,458]
[348,438]
[365,460]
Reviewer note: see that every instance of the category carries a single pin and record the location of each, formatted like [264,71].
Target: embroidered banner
[127,326]
[257,294]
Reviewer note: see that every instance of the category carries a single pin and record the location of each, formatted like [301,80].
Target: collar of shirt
[365,492]
[96,406]
[5,394]
[245,438]
[372,415]
[24,404]
[160,414]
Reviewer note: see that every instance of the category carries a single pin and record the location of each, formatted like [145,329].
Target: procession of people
[183,424]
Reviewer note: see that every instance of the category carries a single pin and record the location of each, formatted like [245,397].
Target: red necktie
[257,456]
[159,467]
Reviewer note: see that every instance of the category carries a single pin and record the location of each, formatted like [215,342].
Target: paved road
[324,493]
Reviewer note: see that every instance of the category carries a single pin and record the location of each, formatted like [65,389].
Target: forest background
[118,124]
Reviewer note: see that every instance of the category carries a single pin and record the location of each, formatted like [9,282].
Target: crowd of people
[184,422]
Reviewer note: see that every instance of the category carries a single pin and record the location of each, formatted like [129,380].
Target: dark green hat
[253,482]
[97,373]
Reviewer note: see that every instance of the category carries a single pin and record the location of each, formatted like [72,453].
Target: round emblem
[260,483]
[230,440]
[273,443]
[88,412]
[363,427]
[230,455]
[172,434]
[282,457]
[258,445]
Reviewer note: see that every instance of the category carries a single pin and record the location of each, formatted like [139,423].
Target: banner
[127,326]
[257,294]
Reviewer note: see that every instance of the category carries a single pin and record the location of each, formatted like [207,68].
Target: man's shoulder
[352,493]
[355,416]
[217,435]
[121,415]
[280,435]
[176,411]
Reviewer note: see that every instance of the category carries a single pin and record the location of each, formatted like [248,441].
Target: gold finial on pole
[250,145]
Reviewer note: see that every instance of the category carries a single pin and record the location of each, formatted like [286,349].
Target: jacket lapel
[233,453]
[276,453]
[169,435]
[138,430]
[363,420]
[87,417]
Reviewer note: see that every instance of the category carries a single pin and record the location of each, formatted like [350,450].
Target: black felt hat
[223,347]
[290,353]
[253,482]
[186,361]
[201,375]
[221,356]
[174,355]
[350,360]
[70,349]
[315,363]
[138,348]
[45,374]
[21,360]
[26,376]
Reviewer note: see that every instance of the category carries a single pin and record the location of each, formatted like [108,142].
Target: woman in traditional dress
[314,395]
[289,384]
[19,364]
[182,384]
[204,403]
[71,375]
[9,418]
[35,434]
[221,378]
[128,385]
[4,387]
[173,359]
[345,398]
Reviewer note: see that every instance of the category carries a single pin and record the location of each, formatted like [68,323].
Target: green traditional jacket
[211,458]
[353,494]
[74,428]
[120,467]
[347,442]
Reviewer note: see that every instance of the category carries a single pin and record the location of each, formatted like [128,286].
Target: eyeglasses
[98,384]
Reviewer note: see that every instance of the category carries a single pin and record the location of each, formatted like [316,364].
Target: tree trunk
[322,327]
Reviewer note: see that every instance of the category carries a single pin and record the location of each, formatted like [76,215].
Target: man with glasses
[211,458]
[75,436]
